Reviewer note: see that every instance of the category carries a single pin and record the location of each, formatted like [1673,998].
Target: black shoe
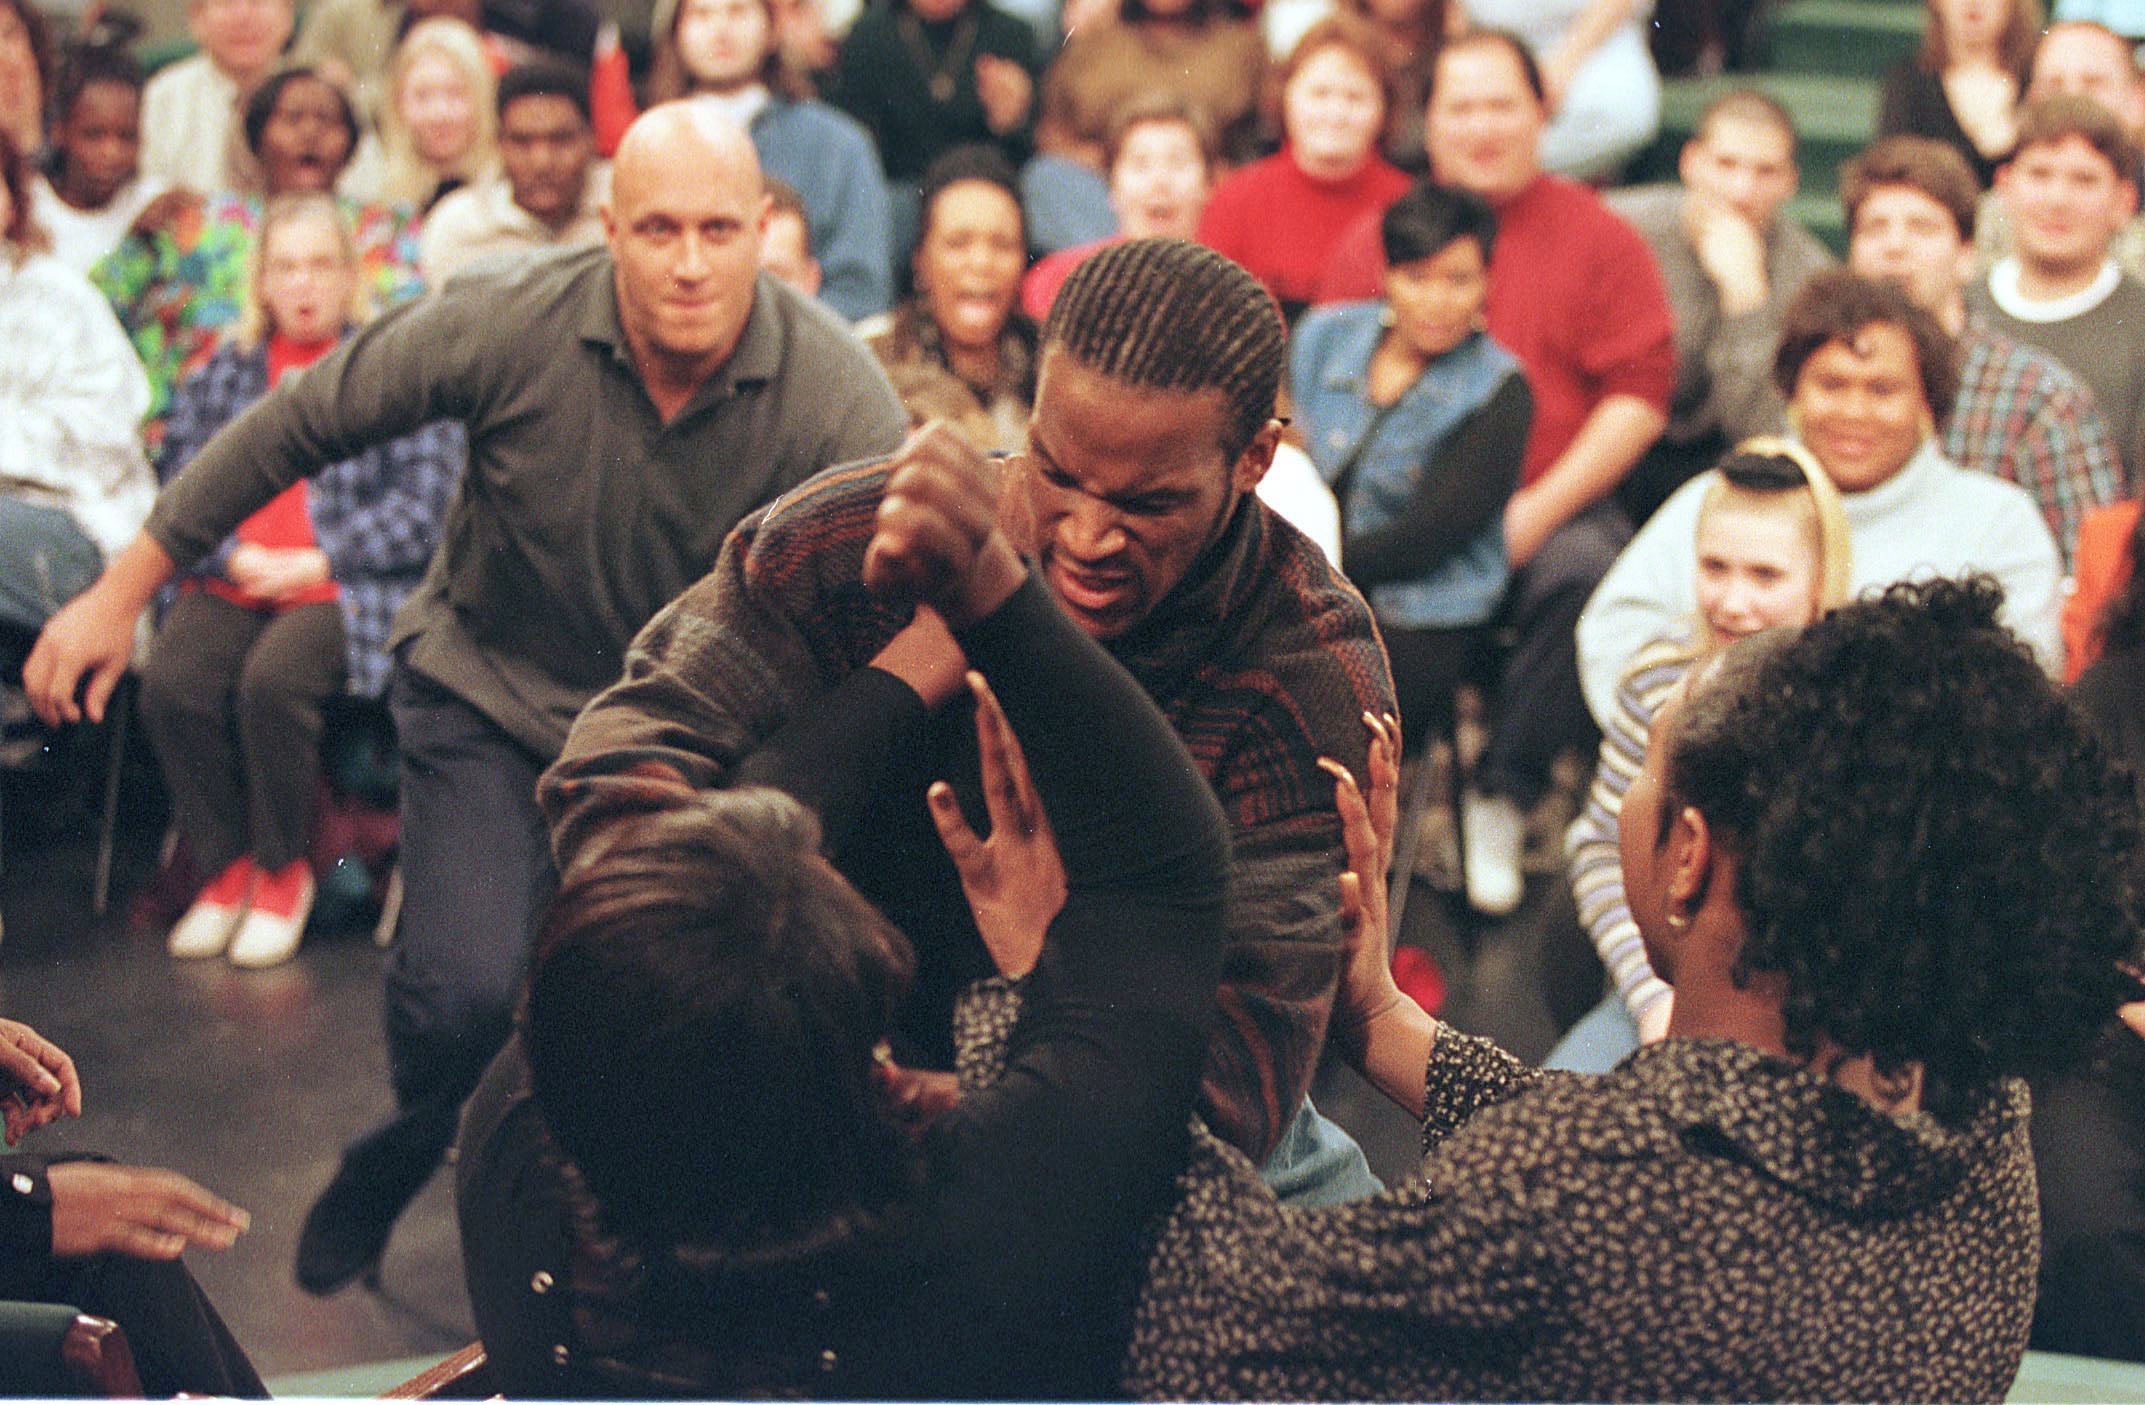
[346,1231]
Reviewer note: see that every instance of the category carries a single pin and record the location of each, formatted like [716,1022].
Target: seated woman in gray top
[1882,863]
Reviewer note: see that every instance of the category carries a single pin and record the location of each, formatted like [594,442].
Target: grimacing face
[1124,488]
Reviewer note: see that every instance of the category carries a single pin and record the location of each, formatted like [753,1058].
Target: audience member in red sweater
[1280,217]
[1574,294]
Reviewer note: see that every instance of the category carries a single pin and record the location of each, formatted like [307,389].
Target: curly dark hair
[1836,305]
[1933,849]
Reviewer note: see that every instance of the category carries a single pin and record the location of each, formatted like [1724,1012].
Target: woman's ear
[1691,852]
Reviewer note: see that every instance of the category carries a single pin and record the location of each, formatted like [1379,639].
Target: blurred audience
[786,246]
[289,610]
[178,279]
[1963,88]
[1731,262]
[959,349]
[2089,1125]
[1419,420]
[1772,552]
[1280,216]
[439,131]
[1162,160]
[2070,189]
[1868,374]
[1599,85]
[728,50]
[1574,294]
[550,190]
[72,396]
[2020,415]
[96,189]
[1196,49]
[192,111]
[925,76]
[2079,60]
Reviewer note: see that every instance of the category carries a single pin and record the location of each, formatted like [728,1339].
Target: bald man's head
[685,218]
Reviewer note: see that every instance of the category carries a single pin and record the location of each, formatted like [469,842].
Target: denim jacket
[1329,374]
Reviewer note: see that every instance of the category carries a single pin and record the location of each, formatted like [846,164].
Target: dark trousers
[2089,1157]
[231,698]
[1428,665]
[476,874]
[177,1339]
[1539,708]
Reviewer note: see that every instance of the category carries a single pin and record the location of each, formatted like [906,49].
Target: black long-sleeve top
[1011,1273]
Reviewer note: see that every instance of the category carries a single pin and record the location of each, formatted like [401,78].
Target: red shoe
[282,900]
[208,925]
[1418,977]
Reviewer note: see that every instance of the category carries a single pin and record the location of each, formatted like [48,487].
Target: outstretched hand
[99,1208]
[1368,990]
[937,540]
[1015,880]
[38,1083]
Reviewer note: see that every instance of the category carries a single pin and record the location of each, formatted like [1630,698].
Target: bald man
[626,405]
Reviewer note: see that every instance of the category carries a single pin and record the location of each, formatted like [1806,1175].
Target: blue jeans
[1599,1042]
[45,561]
[1318,1164]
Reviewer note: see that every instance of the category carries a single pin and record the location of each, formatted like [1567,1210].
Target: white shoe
[1492,833]
[206,928]
[275,922]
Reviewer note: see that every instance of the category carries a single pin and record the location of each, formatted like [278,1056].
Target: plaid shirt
[2023,417]
[1263,658]
[377,516]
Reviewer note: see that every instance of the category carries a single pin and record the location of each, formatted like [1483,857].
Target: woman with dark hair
[76,487]
[1281,216]
[1962,87]
[959,349]
[695,1171]
[1773,551]
[179,278]
[1418,420]
[1885,867]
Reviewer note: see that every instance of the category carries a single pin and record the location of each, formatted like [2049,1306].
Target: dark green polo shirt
[581,513]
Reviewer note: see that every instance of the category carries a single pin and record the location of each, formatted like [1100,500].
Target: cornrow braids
[1168,314]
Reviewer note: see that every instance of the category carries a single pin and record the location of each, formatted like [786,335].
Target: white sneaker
[1492,832]
[274,923]
[206,928]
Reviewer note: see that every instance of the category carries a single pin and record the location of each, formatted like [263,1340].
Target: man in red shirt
[1575,295]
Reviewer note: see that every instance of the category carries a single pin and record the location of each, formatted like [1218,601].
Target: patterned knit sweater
[1263,658]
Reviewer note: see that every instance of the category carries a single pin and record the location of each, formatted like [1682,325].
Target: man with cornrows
[1153,424]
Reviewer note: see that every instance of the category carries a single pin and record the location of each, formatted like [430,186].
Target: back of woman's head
[1932,850]
[701,1024]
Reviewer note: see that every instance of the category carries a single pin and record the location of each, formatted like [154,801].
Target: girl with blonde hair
[1773,552]
[439,130]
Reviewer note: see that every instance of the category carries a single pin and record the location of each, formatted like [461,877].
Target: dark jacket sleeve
[1463,489]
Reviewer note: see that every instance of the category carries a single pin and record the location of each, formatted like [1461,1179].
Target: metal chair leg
[116,754]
